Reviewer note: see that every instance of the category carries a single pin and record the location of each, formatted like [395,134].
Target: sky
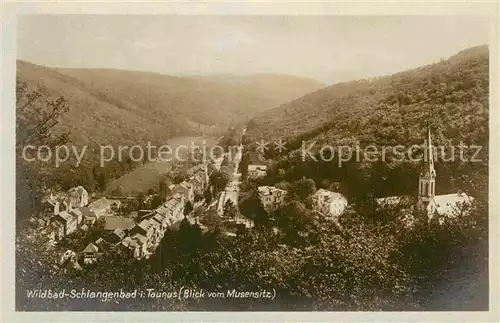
[329,49]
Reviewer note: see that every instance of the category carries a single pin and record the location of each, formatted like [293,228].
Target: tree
[141,200]
[36,117]
[188,208]
[157,201]
[219,180]
[230,209]
[118,191]
[303,188]
[208,196]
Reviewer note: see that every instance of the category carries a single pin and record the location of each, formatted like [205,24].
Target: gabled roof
[77,212]
[64,216]
[331,196]
[100,204]
[76,193]
[91,248]
[120,233]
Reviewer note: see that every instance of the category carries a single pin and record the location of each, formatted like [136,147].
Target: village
[137,234]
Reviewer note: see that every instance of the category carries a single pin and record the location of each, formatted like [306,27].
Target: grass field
[147,175]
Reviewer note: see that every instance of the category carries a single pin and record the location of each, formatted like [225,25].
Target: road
[232,190]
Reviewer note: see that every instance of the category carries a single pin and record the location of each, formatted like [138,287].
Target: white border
[10,10]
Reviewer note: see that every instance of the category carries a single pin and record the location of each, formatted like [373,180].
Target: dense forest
[451,97]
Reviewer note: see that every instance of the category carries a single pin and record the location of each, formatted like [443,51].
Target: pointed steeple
[427,178]
[428,169]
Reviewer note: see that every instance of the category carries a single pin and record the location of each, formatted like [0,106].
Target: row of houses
[141,234]
[66,212]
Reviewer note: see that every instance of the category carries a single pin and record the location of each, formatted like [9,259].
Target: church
[446,205]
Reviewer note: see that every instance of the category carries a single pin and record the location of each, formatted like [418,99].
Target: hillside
[452,94]
[116,106]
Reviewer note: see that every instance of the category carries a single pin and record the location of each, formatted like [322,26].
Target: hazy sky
[326,48]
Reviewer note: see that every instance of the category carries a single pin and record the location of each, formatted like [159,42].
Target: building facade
[329,203]
[271,197]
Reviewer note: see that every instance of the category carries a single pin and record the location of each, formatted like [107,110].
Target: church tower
[427,179]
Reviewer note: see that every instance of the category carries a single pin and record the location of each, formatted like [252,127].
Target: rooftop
[91,248]
[330,196]
[269,190]
[118,222]
[446,204]
[100,204]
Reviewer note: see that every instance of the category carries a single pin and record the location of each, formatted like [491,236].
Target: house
[88,217]
[66,222]
[101,207]
[54,231]
[117,228]
[271,197]
[90,254]
[68,261]
[148,228]
[78,214]
[427,202]
[115,204]
[117,235]
[200,172]
[198,185]
[137,244]
[133,215]
[185,189]
[50,207]
[74,198]
[174,207]
[329,203]
[256,171]
[78,196]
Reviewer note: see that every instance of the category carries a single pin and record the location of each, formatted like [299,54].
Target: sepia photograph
[251,163]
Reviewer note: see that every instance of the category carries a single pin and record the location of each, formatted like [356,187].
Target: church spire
[427,179]
[429,155]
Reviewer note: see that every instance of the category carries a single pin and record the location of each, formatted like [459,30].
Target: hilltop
[117,106]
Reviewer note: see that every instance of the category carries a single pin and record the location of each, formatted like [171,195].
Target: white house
[79,196]
[329,203]
[101,207]
[271,197]
[256,171]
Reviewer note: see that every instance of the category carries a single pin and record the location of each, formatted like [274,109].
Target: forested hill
[117,106]
[451,94]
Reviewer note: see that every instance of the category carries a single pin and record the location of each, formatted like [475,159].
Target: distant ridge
[118,106]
